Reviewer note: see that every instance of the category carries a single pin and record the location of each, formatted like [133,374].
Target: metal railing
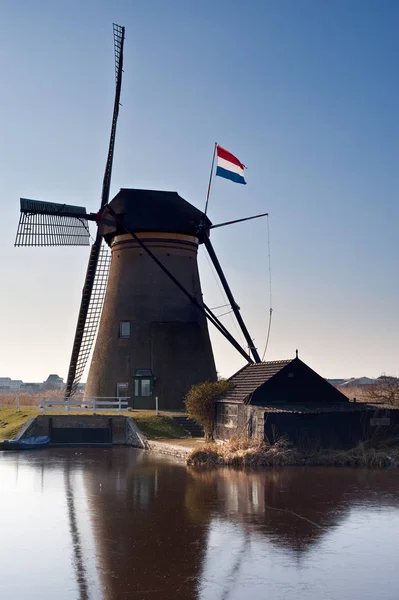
[88,405]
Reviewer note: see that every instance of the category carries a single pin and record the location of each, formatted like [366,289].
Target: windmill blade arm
[238,220]
[52,224]
[119,39]
[233,303]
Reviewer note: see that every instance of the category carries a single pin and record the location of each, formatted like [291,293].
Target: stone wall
[250,423]
[87,421]
[27,430]
[119,428]
[133,435]
[179,452]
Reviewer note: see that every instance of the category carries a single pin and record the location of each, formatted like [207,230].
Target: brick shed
[287,398]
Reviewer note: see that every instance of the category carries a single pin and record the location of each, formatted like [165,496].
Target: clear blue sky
[306,93]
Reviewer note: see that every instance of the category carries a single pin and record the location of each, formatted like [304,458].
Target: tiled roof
[250,377]
[315,408]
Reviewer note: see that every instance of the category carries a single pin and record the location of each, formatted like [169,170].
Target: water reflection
[126,524]
[295,507]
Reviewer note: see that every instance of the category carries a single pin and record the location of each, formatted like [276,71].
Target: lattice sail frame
[118,42]
[93,313]
[52,224]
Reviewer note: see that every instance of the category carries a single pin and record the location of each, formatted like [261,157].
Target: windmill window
[124,329]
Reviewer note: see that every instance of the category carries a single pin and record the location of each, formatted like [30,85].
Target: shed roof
[252,376]
[317,408]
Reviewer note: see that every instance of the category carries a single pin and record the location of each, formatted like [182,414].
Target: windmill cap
[154,210]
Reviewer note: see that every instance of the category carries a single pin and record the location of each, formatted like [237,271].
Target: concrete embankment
[83,430]
[92,430]
[169,448]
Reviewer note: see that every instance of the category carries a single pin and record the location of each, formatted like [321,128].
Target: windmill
[146,302]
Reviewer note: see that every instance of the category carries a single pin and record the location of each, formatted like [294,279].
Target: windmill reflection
[149,544]
[78,558]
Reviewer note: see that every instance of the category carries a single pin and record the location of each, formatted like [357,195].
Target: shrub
[200,402]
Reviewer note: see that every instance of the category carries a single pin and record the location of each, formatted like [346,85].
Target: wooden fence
[88,405]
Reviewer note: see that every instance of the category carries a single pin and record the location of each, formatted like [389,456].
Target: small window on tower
[124,329]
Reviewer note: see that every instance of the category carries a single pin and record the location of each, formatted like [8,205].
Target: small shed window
[124,329]
[227,415]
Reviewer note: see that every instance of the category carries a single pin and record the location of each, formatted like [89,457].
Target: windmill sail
[90,325]
[52,224]
[87,327]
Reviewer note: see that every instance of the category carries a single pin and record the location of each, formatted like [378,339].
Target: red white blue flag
[229,166]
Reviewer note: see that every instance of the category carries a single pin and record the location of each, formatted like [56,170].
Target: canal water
[118,523]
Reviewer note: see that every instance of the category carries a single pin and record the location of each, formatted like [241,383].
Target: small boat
[30,443]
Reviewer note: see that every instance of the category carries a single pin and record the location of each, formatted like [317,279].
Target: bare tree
[384,391]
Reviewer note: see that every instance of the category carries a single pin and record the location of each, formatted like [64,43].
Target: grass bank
[157,426]
[152,425]
[11,421]
[244,453]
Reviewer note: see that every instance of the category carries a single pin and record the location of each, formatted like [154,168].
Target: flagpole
[210,178]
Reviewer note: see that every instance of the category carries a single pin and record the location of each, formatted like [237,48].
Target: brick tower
[152,339]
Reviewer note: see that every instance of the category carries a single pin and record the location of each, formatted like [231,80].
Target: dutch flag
[229,166]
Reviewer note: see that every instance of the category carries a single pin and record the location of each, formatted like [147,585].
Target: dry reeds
[241,452]
[8,399]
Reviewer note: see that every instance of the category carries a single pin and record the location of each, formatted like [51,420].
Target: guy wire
[270,291]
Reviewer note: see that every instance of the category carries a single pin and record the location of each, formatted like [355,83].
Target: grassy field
[152,425]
